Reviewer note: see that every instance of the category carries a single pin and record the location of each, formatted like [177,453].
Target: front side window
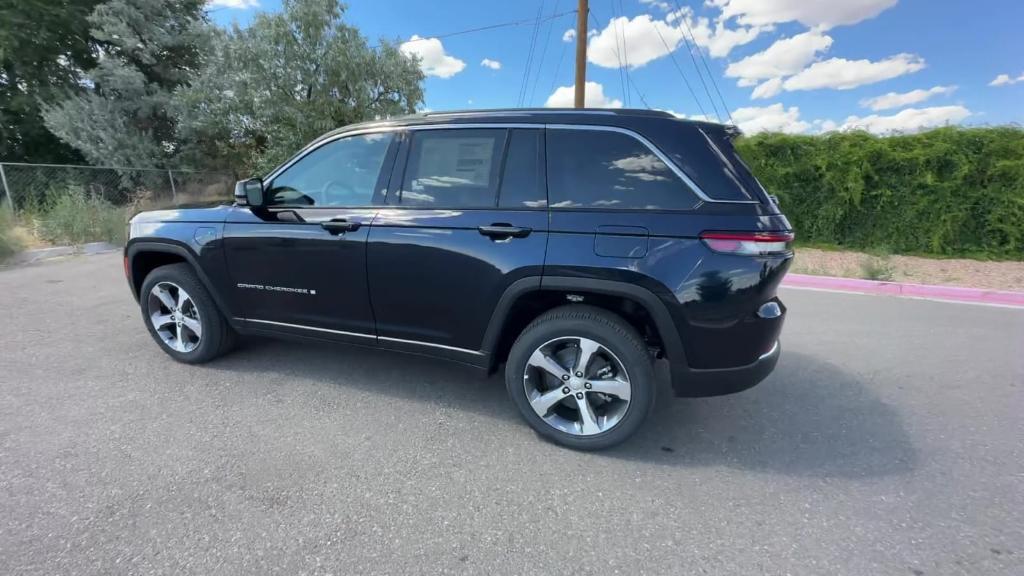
[340,173]
[605,169]
[454,168]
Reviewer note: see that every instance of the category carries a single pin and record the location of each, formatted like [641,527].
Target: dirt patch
[946,272]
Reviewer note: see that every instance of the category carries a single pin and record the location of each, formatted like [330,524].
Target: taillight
[748,243]
[127,270]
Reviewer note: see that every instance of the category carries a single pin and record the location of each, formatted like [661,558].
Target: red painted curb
[950,293]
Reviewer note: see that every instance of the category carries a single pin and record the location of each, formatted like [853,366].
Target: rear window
[707,156]
[611,170]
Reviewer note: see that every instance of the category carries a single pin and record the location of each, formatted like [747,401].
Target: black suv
[574,246]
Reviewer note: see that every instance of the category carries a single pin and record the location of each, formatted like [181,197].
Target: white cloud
[433,60]
[811,13]
[843,74]
[783,58]
[701,117]
[774,118]
[640,36]
[492,64]
[825,125]
[564,97]
[900,99]
[663,6]
[1005,80]
[909,120]
[644,38]
[767,89]
[569,35]
[239,4]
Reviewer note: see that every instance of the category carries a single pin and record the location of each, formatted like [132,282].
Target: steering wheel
[337,192]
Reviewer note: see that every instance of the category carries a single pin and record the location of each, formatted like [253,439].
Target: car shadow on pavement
[809,418]
[395,374]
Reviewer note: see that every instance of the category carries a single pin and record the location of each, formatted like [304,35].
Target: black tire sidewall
[612,333]
[209,317]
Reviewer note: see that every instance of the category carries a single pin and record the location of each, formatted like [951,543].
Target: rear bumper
[693,383]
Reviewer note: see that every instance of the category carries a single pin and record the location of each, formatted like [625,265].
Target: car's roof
[609,116]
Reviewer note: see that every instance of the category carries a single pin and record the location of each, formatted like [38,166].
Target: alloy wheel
[175,317]
[577,385]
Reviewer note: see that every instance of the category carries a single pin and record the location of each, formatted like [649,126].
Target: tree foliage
[44,45]
[272,87]
[146,49]
[950,191]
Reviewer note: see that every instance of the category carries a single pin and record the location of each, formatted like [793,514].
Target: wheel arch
[529,297]
[142,257]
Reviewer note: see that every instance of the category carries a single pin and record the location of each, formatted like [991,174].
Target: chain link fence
[36,188]
[54,204]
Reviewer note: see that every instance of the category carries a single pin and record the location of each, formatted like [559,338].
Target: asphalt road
[889,440]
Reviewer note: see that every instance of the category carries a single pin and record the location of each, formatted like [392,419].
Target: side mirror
[249,192]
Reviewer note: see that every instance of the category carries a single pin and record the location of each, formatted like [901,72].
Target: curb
[40,254]
[906,290]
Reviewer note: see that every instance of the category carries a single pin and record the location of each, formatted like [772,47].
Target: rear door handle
[501,231]
[339,226]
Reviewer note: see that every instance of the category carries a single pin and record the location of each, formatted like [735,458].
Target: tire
[215,336]
[619,352]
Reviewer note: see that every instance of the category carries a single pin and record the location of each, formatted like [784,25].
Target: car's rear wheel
[181,316]
[581,376]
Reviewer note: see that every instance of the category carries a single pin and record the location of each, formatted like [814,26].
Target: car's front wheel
[181,316]
[581,376]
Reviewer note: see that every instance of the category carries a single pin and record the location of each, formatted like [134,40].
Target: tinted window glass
[707,155]
[603,169]
[453,168]
[522,183]
[340,173]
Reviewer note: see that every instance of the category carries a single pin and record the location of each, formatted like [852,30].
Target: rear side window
[707,155]
[455,168]
[522,181]
[605,169]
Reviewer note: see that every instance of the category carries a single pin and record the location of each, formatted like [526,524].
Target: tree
[272,87]
[44,45]
[146,49]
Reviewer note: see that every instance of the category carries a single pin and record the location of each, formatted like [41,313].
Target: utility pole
[581,53]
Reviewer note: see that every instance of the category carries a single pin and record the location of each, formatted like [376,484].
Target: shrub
[77,217]
[949,191]
[9,242]
[877,268]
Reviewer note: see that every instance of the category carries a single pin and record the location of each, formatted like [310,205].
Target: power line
[529,55]
[710,75]
[671,54]
[696,67]
[561,56]
[624,77]
[482,28]
[625,51]
[543,53]
[618,57]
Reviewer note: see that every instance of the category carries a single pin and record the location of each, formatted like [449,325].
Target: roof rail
[531,111]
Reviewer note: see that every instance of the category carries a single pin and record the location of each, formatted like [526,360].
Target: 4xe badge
[277,288]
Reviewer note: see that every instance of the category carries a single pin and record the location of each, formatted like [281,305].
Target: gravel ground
[947,272]
[889,440]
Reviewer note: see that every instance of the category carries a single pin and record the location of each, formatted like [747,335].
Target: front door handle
[501,231]
[339,226]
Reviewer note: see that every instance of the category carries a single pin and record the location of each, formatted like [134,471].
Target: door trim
[362,335]
[301,327]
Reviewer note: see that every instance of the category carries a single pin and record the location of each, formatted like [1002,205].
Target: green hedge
[949,191]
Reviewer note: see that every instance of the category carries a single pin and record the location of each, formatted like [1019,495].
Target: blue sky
[790,65]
